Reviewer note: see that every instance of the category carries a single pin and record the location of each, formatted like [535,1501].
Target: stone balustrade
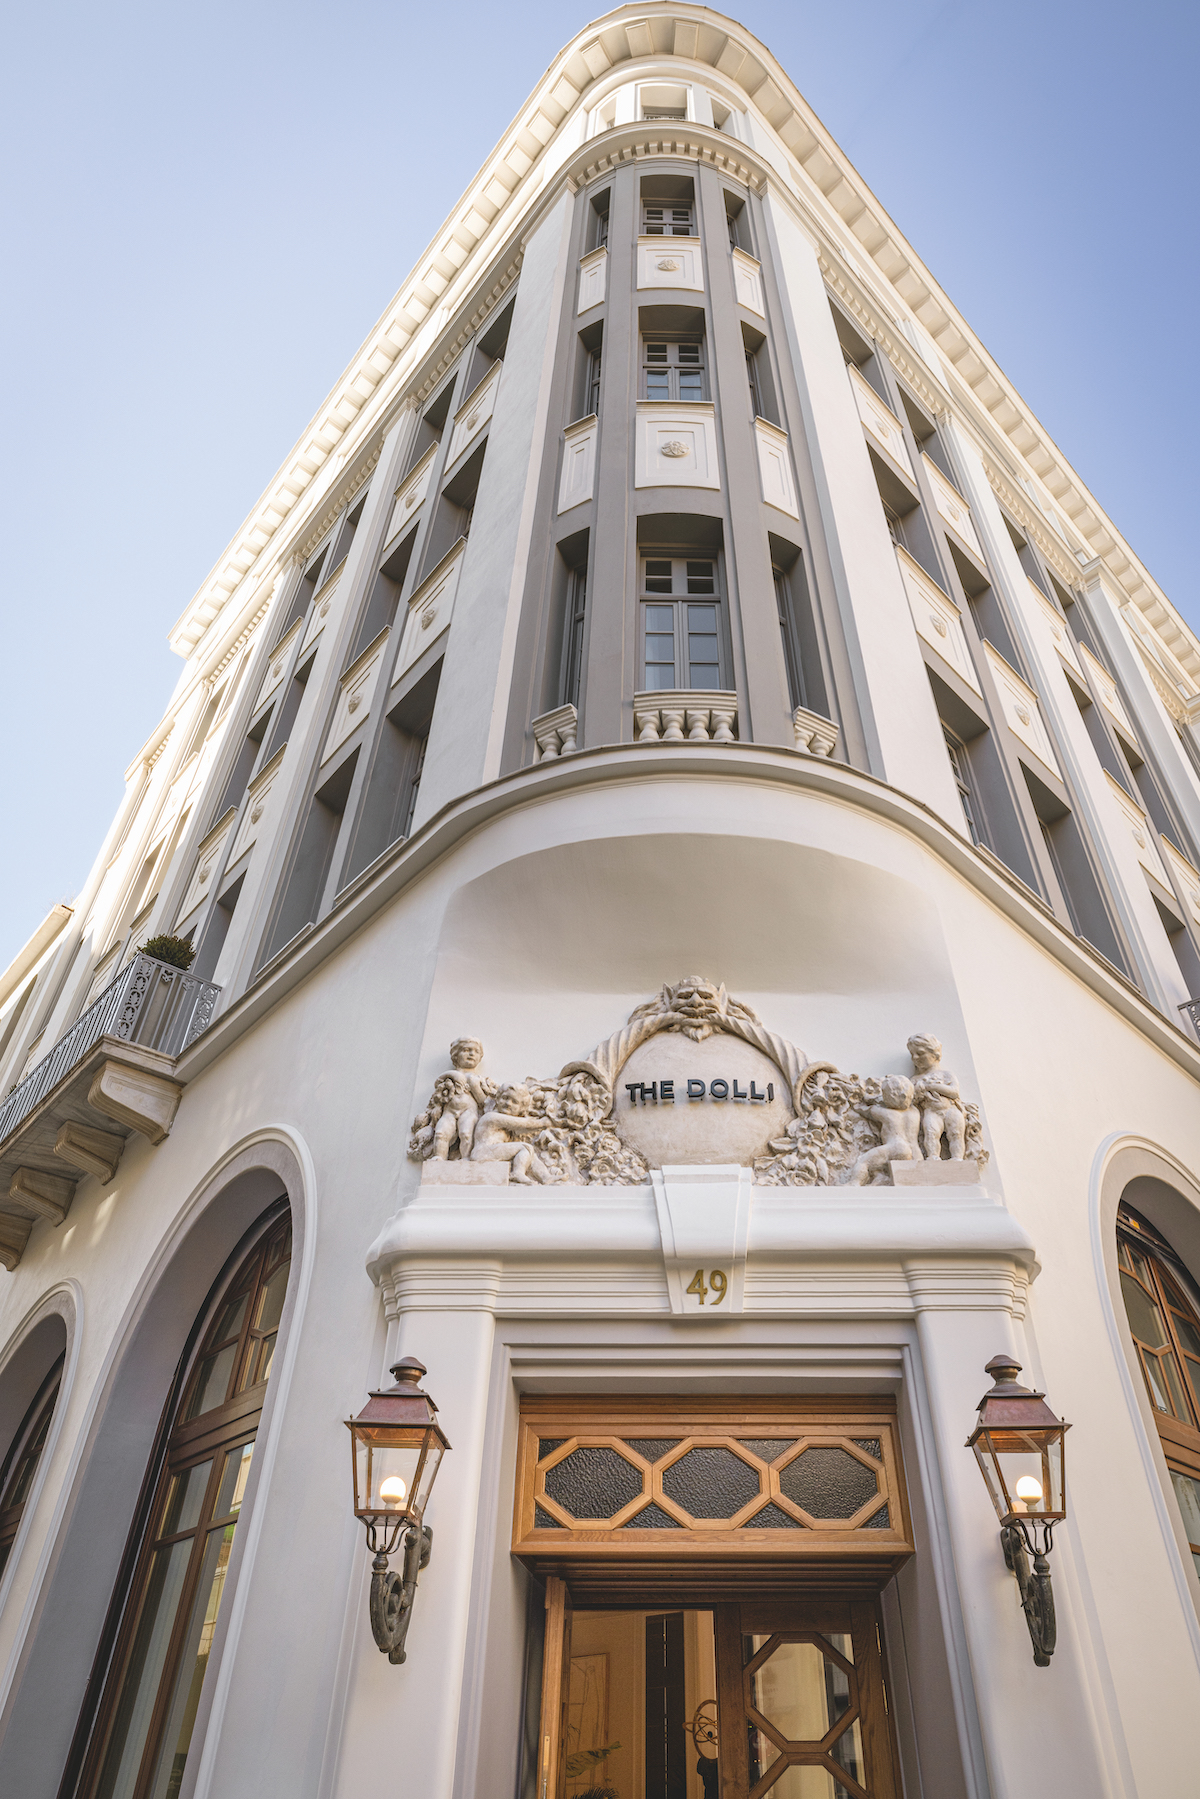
[555,733]
[689,716]
[814,734]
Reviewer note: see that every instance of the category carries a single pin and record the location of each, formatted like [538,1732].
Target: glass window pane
[231,1319]
[1187,1492]
[211,1382]
[1170,1373]
[691,385]
[1189,1336]
[700,577]
[660,677]
[660,618]
[659,648]
[1145,1319]
[233,1481]
[702,618]
[704,675]
[689,355]
[658,386]
[185,1496]
[270,1303]
[656,353]
[193,1666]
[140,1686]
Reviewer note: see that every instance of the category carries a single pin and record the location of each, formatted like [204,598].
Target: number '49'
[719,1285]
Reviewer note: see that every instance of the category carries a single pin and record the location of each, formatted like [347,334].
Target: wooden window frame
[1179,1437]
[212,1435]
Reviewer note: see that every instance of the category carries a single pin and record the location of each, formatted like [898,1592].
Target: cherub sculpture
[937,1096]
[500,1134]
[458,1098]
[898,1122]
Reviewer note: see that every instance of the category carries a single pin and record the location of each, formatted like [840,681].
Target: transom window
[681,624]
[672,370]
[21,1464]
[144,1726]
[663,220]
[1162,1304]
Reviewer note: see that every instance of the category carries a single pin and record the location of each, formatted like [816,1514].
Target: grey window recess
[673,370]
[681,624]
[664,112]
[593,383]
[663,219]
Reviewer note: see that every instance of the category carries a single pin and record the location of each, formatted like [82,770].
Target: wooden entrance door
[802,1710]
[800,1701]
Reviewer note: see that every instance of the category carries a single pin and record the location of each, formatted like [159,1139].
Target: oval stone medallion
[717,1126]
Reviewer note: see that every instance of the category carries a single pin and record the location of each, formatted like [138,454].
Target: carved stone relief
[716,1087]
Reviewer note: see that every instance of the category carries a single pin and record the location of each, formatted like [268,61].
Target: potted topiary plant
[177,951]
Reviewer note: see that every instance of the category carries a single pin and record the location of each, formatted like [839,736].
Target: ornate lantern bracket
[397,1447]
[1019,1446]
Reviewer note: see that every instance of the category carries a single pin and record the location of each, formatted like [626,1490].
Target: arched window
[1162,1303]
[147,1714]
[25,1452]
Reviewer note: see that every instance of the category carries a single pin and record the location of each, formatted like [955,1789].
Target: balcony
[110,1075]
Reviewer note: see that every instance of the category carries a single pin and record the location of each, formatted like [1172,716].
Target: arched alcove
[72,1622]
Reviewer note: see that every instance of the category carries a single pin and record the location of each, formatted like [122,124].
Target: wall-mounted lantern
[397,1446]
[1019,1445]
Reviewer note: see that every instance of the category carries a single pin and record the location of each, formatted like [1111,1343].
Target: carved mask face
[700,1003]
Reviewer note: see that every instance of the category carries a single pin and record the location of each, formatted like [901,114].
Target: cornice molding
[363,470]
[689,142]
[1031,522]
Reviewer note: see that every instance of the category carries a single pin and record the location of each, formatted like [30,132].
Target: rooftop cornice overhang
[701,37]
[634,765]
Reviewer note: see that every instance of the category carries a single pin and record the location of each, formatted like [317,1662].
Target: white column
[466,737]
[1100,816]
[904,736]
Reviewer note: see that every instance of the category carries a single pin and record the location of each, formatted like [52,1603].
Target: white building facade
[677,729]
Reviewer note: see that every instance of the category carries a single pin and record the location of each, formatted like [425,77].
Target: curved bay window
[21,1463]
[148,1711]
[1162,1303]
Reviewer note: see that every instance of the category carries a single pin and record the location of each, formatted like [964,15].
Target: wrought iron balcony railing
[1191,1011]
[149,1003]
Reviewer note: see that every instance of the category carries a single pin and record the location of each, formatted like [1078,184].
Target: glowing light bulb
[394,1492]
[1028,1492]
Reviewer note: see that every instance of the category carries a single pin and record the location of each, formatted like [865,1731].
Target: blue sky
[208,207]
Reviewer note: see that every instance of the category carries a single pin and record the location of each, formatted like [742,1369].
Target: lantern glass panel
[387,1466]
[1024,1472]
